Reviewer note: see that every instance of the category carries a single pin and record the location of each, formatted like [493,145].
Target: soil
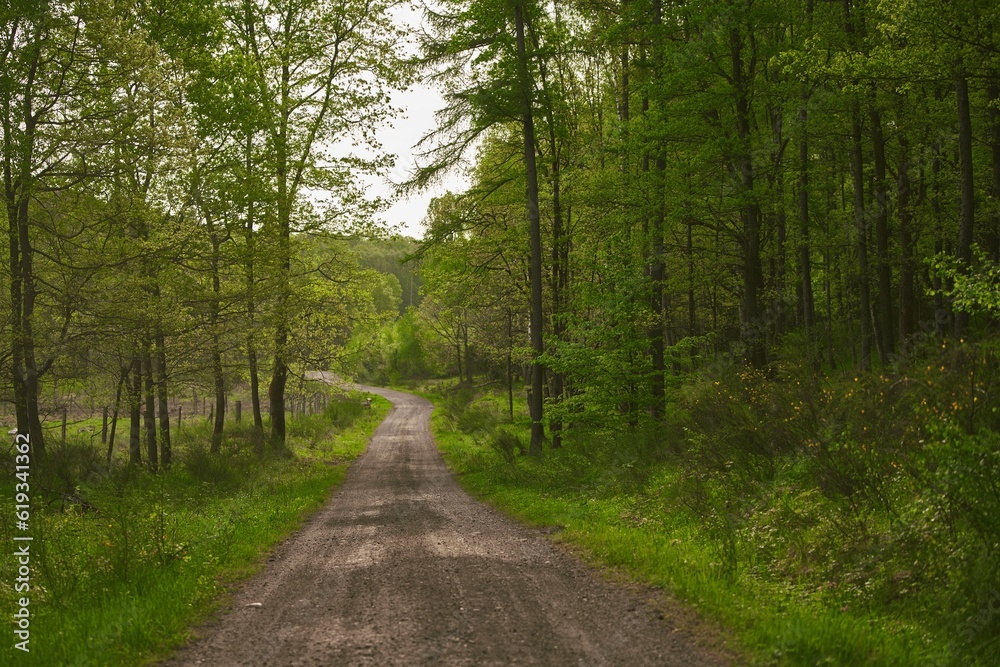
[402,567]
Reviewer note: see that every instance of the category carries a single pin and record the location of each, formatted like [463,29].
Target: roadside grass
[633,508]
[124,562]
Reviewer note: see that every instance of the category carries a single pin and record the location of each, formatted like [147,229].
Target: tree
[321,69]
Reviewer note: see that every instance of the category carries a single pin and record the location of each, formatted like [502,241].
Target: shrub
[507,444]
[476,419]
[343,411]
[207,467]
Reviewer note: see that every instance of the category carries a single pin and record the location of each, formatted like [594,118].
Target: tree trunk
[967,201]
[808,303]
[251,286]
[219,422]
[258,421]
[219,412]
[907,292]
[882,238]
[691,303]
[465,345]
[993,235]
[657,270]
[860,221]
[19,186]
[114,414]
[510,363]
[279,372]
[623,108]
[807,299]
[828,268]
[754,328]
[163,406]
[534,223]
[24,331]
[557,278]
[135,413]
[149,412]
[940,313]
[778,215]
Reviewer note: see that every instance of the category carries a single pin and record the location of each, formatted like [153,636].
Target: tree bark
[114,414]
[993,235]
[21,120]
[907,291]
[465,345]
[510,363]
[163,406]
[135,412]
[778,214]
[657,270]
[557,275]
[258,420]
[861,225]
[251,286]
[882,238]
[808,302]
[149,412]
[691,302]
[535,232]
[754,328]
[967,193]
[807,299]
[219,414]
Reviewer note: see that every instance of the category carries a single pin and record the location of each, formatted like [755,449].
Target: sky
[419,104]
[417,118]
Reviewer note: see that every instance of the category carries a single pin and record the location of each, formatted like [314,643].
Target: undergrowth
[124,562]
[843,520]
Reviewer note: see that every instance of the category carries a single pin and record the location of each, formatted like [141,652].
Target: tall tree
[322,69]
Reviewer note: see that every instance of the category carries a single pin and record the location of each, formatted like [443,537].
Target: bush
[476,419]
[70,465]
[507,444]
[455,401]
[342,412]
[209,468]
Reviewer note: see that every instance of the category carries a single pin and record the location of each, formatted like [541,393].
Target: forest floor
[402,567]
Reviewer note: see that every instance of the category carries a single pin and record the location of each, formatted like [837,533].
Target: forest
[727,274]
[720,302]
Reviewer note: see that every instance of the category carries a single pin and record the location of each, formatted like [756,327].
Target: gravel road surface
[402,567]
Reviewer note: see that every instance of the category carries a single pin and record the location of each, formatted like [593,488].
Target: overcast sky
[418,104]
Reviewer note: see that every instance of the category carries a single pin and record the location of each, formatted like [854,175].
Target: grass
[125,562]
[626,509]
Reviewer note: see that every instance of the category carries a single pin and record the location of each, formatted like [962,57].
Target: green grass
[122,581]
[617,508]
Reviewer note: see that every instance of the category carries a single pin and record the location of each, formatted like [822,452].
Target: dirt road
[402,567]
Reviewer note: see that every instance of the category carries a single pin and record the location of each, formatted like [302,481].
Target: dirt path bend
[402,567]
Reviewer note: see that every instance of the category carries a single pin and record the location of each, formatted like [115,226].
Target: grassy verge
[644,514]
[125,562]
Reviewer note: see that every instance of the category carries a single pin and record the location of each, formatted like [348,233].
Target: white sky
[419,104]
[417,119]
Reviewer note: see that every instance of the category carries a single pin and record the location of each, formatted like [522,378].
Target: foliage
[974,289]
